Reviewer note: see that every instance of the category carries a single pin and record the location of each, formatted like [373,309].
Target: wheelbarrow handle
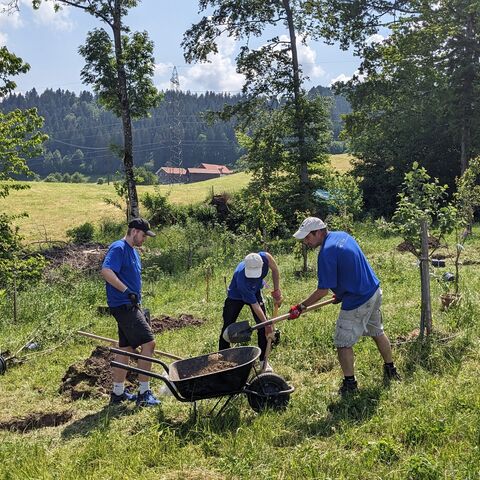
[147,373]
[140,357]
[114,342]
[272,321]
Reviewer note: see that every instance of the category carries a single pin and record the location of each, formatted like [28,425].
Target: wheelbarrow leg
[224,406]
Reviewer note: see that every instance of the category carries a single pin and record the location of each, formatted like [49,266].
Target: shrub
[100,181]
[81,234]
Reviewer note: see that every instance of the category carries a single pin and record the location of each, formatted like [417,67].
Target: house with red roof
[206,171]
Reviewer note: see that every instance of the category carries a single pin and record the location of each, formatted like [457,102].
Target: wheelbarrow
[216,375]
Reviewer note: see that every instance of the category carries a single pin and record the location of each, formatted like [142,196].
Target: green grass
[54,208]
[426,427]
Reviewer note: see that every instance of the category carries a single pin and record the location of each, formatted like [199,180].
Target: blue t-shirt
[246,289]
[343,268]
[124,260]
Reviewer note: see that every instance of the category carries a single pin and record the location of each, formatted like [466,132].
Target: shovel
[242,331]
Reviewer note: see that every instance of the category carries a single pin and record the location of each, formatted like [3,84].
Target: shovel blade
[239,332]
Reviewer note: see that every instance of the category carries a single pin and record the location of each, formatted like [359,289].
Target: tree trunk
[133,210]
[299,111]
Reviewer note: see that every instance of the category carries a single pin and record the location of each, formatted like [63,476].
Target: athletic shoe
[126,396]
[348,387]
[390,373]
[147,399]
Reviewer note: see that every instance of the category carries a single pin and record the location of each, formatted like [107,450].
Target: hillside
[53,208]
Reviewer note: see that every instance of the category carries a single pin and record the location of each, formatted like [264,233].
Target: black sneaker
[126,396]
[348,387]
[390,373]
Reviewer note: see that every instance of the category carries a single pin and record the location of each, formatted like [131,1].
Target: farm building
[206,171]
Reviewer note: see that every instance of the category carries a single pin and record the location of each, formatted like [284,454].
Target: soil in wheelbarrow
[36,420]
[91,378]
[165,322]
[216,363]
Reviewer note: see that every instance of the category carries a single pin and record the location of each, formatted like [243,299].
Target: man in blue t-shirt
[343,269]
[122,270]
[246,289]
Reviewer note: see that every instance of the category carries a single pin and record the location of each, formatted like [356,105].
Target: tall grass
[426,427]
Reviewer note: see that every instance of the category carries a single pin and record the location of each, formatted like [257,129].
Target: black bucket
[3,365]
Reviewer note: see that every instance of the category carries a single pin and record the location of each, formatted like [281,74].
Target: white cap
[253,265]
[310,224]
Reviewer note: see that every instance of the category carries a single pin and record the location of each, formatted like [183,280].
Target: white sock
[144,386]
[118,388]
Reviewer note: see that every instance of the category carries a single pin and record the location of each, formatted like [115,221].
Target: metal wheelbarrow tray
[188,383]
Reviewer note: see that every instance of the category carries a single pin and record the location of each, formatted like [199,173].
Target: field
[53,208]
[425,427]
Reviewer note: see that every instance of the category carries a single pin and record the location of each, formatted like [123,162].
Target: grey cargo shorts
[366,320]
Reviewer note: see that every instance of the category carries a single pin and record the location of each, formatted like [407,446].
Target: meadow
[53,208]
[425,427]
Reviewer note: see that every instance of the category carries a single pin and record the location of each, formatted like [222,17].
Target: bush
[100,181]
[78,178]
[81,234]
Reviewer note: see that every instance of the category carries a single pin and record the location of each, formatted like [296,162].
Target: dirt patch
[86,258]
[36,420]
[216,363]
[92,377]
[433,242]
[165,322]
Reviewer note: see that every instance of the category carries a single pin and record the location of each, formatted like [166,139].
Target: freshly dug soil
[92,377]
[36,420]
[165,322]
[211,367]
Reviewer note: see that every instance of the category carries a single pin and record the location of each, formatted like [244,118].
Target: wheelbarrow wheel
[3,365]
[264,392]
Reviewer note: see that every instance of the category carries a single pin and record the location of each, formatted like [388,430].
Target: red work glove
[296,311]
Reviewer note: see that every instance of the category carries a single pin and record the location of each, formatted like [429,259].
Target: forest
[81,132]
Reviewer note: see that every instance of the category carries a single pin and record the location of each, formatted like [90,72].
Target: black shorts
[133,327]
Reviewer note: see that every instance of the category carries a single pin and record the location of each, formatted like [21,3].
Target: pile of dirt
[92,377]
[215,363]
[86,258]
[165,322]
[408,337]
[36,420]
[433,242]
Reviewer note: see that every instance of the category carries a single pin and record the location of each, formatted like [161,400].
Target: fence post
[426,310]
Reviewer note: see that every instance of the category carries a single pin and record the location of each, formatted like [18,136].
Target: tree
[272,71]
[20,135]
[120,71]
[414,97]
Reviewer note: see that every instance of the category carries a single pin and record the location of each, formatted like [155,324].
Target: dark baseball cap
[141,224]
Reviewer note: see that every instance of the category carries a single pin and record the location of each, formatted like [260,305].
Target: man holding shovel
[121,270]
[246,289]
[343,268]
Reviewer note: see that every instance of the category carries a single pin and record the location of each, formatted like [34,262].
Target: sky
[49,42]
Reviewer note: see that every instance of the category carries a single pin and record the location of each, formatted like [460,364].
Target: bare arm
[317,295]
[275,272]
[111,278]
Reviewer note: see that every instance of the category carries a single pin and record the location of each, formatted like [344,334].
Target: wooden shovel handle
[114,342]
[272,321]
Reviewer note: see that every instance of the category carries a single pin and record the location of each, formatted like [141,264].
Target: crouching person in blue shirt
[246,289]
[343,268]
[122,270]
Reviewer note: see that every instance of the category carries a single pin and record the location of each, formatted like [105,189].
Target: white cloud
[375,38]
[3,39]
[47,16]
[219,75]
[307,58]
[345,78]
[9,20]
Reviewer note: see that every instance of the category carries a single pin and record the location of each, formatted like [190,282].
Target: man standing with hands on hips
[343,268]
[121,270]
